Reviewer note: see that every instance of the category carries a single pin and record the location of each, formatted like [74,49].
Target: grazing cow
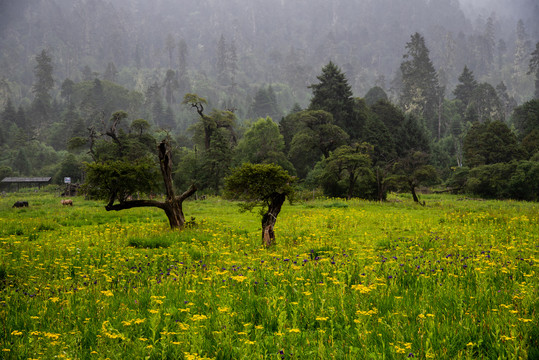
[67,202]
[20,204]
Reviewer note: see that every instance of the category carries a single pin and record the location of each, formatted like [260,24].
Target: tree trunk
[414,195]
[270,217]
[173,205]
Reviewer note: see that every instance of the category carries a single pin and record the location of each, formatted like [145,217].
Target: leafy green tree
[262,143]
[413,171]
[5,171]
[116,178]
[216,161]
[420,88]
[334,95]
[517,180]
[343,168]
[140,126]
[264,185]
[383,153]
[21,163]
[70,166]
[312,135]
[525,119]
[210,123]
[490,143]
[530,143]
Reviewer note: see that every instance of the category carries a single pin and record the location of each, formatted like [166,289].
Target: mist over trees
[302,84]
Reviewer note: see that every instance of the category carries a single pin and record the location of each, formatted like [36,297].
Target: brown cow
[67,202]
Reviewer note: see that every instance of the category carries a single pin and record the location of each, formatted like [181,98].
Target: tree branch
[134,204]
[192,189]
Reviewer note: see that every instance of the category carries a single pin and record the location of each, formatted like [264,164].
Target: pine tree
[43,84]
[522,48]
[184,83]
[221,67]
[465,88]
[334,95]
[111,73]
[534,68]
[420,89]
[9,115]
[170,85]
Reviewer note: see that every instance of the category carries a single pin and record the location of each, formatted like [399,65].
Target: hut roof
[25,180]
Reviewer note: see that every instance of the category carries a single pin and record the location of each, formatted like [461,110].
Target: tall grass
[347,280]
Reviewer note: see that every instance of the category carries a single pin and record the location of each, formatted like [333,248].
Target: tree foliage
[490,143]
[265,185]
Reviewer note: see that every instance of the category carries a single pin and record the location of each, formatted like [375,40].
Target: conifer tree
[534,68]
[41,106]
[420,89]
[334,95]
[465,89]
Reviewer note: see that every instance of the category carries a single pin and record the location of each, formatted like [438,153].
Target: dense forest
[354,98]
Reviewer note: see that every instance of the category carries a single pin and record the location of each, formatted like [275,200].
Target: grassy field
[455,279]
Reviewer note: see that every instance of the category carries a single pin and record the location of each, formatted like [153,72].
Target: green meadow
[455,279]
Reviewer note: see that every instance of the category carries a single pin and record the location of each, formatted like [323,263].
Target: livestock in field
[20,204]
[67,202]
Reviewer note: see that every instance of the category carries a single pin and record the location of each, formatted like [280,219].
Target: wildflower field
[455,279]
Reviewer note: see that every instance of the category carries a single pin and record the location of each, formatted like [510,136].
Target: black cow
[20,204]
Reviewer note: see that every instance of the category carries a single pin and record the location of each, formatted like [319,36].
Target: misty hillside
[275,41]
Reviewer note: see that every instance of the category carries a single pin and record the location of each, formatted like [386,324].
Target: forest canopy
[354,103]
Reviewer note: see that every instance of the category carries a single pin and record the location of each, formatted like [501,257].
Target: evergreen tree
[170,84]
[9,115]
[67,90]
[522,48]
[168,119]
[170,45]
[158,113]
[465,89]
[110,73]
[334,95]
[43,84]
[184,83]
[420,89]
[534,68]
[508,103]
[265,104]
[221,66]
[485,104]
[374,95]
[87,73]
[490,143]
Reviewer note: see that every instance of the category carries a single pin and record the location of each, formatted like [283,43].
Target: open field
[456,279]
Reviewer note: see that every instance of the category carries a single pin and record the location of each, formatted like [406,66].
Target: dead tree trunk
[173,205]
[270,217]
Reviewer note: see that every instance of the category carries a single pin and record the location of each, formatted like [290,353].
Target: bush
[515,180]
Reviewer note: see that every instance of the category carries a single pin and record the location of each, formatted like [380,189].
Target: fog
[275,41]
